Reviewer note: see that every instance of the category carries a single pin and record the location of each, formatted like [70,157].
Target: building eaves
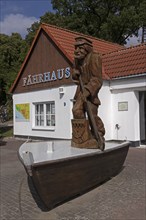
[130,76]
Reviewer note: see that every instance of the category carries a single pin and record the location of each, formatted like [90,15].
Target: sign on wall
[122,106]
[22,112]
[32,79]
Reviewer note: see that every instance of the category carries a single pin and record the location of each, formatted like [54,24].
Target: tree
[2,92]
[13,49]
[32,32]
[112,20]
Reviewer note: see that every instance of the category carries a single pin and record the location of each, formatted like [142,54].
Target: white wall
[110,94]
[63,112]
[127,89]
[128,121]
[63,107]
[105,109]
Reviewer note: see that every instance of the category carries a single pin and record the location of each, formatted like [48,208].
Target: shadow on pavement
[3,131]
[2,143]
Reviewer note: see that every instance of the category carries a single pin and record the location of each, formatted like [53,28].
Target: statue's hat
[82,40]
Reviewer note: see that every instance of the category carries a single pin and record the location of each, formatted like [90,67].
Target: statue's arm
[75,74]
[95,81]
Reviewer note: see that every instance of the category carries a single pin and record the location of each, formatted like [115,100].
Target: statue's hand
[85,95]
[75,74]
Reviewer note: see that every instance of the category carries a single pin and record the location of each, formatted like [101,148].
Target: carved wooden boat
[61,172]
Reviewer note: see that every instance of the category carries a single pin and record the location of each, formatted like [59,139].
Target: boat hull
[60,180]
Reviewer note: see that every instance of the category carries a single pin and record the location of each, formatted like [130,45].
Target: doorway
[142,105]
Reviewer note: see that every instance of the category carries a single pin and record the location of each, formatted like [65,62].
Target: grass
[6,132]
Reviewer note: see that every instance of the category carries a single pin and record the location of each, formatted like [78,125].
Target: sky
[18,15]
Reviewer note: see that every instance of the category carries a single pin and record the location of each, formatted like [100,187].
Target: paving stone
[121,198]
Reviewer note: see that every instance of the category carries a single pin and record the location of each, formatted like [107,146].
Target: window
[39,115]
[45,114]
[50,114]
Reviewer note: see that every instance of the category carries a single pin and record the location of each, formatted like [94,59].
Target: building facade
[43,90]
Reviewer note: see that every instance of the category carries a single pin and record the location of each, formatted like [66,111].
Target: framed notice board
[122,106]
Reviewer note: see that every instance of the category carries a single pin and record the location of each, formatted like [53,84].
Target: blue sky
[18,15]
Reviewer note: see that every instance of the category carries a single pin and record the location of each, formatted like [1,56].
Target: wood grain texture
[61,180]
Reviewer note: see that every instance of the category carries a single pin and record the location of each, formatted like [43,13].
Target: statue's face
[80,52]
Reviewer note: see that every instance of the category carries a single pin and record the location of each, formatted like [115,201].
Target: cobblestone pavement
[121,198]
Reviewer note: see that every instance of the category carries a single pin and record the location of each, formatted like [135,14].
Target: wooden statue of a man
[88,131]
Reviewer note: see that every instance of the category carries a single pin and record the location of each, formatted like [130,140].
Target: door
[142,103]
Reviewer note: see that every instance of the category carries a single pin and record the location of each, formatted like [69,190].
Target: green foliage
[13,50]
[32,32]
[3,98]
[142,13]
[112,20]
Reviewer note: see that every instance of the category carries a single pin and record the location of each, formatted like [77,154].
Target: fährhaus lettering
[46,77]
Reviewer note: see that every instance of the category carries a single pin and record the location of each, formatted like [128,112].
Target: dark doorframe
[142,105]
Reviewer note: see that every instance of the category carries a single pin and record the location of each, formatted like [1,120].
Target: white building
[43,90]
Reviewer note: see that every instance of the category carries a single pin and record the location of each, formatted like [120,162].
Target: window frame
[39,126]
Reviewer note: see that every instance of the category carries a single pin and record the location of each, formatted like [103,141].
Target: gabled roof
[127,62]
[64,40]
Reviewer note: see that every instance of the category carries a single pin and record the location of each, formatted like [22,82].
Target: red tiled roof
[65,40]
[130,61]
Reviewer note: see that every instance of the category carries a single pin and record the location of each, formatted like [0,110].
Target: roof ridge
[125,49]
[75,32]
[138,45]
